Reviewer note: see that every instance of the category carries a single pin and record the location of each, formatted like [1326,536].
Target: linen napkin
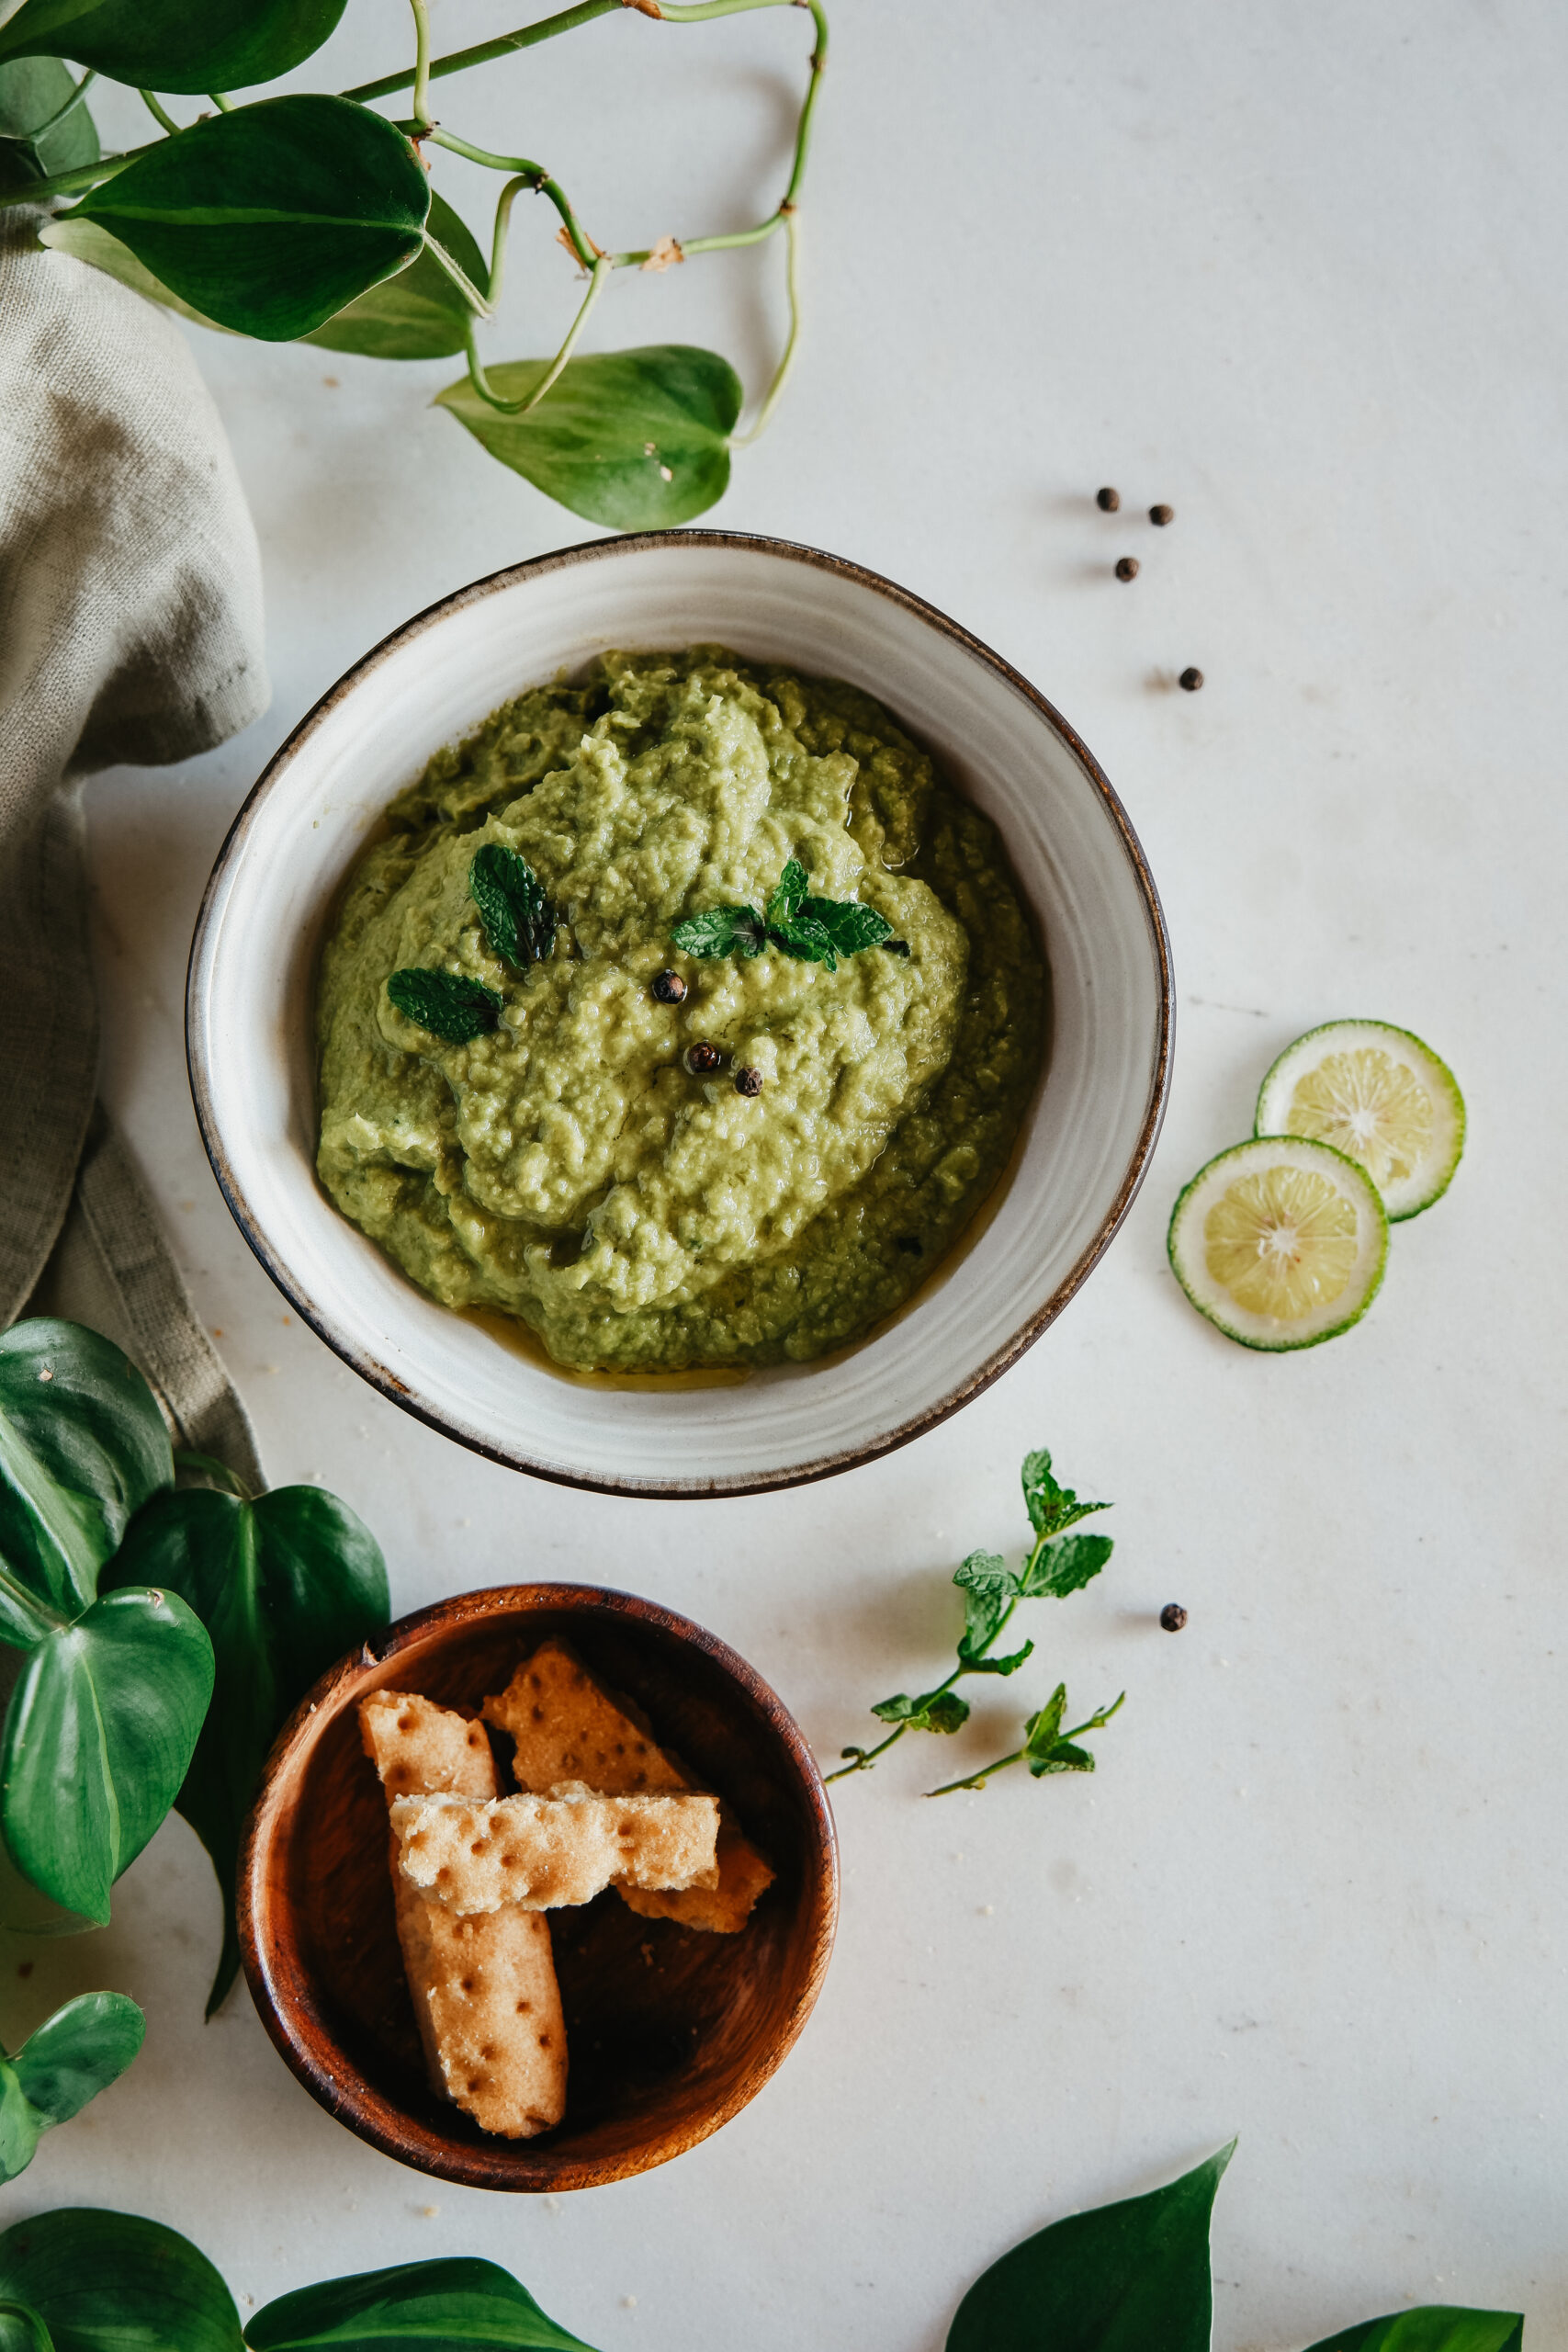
[131,631]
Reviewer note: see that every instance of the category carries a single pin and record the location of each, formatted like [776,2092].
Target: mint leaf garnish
[519,920]
[813,931]
[723,931]
[445,1002]
[1056,1565]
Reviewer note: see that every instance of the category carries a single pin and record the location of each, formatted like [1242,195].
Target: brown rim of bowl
[825,1466]
[338,2087]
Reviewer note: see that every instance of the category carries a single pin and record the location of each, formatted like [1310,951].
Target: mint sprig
[812,929]
[1056,1565]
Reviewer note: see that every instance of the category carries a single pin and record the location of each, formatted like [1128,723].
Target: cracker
[564,1725]
[541,1852]
[484,1990]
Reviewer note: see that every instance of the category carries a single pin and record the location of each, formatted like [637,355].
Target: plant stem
[85,175]
[536,176]
[482,55]
[529,36]
[1097,1722]
[781,376]
[866,1757]
[507,198]
[422,63]
[223,105]
[71,102]
[470,293]
[158,113]
[597,279]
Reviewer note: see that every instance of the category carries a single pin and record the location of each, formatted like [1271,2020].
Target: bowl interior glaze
[1087,1137]
[670,2030]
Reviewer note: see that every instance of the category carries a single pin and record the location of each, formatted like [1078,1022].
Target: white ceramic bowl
[1089,1133]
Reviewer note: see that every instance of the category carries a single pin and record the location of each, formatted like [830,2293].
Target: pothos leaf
[417,314]
[1067,1565]
[1122,2278]
[271,219]
[458,2305]
[1050,1507]
[722,931]
[637,440]
[445,1004]
[168,44]
[98,1737]
[21,2128]
[519,920]
[284,1586]
[21,2330]
[32,92]
[1432,2327]
[78,2053]
[82,1446]
[90,241]
[106,2282]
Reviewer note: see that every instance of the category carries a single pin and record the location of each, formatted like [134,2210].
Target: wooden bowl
[670,2030]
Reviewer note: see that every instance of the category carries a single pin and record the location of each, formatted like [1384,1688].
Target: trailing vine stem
[597,277]
[52,122]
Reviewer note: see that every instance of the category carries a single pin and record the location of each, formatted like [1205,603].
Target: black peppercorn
[701,1060]
[1191,680]
[668,988]
[1173,1616]
[1162,515]
[748,1081]
[1107,499]
[1128,568]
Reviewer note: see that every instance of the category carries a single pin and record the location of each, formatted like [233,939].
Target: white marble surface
[1299,274]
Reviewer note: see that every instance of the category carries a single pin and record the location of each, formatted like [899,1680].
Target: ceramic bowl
[1088,1135]
[670,2030]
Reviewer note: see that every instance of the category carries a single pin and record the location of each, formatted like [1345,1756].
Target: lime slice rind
[1419,1167]
[1359,1268]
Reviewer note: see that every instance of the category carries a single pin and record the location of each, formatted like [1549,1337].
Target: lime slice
[1378,1094]
[1280,1243]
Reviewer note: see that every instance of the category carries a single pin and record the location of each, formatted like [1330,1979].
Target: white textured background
[1300,274]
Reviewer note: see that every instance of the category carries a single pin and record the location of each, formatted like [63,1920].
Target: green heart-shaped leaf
[272,218]
[112,2282]
[172,44]
[69,2060]
[98,1737]
[22,2330]
[21,2128]
[419,314]
[638,439]
[78,2053]
[82,1446]
[1123,2278]
[1432,2327]
[90,241]
[461,2301]
[32,91]
[284,1586]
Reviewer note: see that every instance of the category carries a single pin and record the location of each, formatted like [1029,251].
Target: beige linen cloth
[131,631]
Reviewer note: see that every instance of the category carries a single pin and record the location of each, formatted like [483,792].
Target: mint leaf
[985,1572]
[1050,1507]
[723,931]
[1061,1756]
[1008,1665]
[805,939]
[1041,1732]
[848,925]
[445,1002]
[1066,1565]
[519,920]
[941,1710]
[784,899]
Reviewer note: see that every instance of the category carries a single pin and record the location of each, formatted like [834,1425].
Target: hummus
[574,1165]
